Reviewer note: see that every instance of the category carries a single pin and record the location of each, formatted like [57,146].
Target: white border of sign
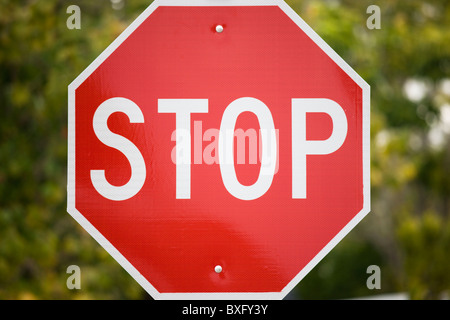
[115,253]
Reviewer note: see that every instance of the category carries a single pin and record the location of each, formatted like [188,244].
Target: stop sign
[218,149]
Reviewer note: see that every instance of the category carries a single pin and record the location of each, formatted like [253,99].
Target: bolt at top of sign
[218,70]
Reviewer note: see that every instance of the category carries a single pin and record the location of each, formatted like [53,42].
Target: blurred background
[406,62]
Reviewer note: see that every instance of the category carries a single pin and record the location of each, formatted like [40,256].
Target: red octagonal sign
[218,149]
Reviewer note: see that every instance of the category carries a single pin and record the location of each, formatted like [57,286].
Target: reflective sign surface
[215,162]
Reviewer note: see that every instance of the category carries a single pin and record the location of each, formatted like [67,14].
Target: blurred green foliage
[406,62]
